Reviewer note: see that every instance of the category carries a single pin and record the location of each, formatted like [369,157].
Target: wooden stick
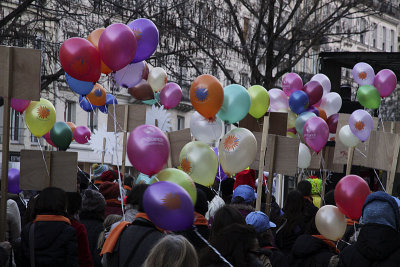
[350,155]
[124,139]
[7,79]
[103,153]
[264,139]
[392,173]
[47,157]
[325,157]
[169,162]
[271,174]
[392,126]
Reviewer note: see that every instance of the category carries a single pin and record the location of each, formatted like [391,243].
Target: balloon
[94,37]
[82,134]
[103,109]
[168,206]
[237,150]
[291,135]
[385,82]
[259,101]
[147,38]
[313,110]
[330,222]
[199,161]
[117,46]
[361,124]
[350,195]
[368,97]
[40,117]
[322,114]
[153,101]
[19,104]
[207,131]
[291,82]
[324,81]
[13,181]
[236,104]
[206,95]
[171,95]
[220,173]
[142,91]
[304,158]
[314,91]
[291,119]
[110,99]
[363,74]
[61,135]
[331,103]
[130,75]
[148,149]
[298,102]
[316,133]
[145,179]
[72,126]
[79,87]
[332,122]
[277,100]
[180,178]
[80,59]
[347,137]
[157,79]
[48,139]
[85,105]
[302,119]
[97,96]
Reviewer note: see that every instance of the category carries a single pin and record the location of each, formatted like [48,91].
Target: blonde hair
[108,222]
[172,251]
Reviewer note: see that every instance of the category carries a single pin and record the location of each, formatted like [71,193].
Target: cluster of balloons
[373,87]
[359,128]
[63,133]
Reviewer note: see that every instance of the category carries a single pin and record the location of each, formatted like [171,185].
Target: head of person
[74,203]
[225,216]
[51,201]
[108,222]
[82,180]
[261,223]
[128,180]
[172,251]
[294,204]
[135,196]
[93,205]
[243,194]
[201,205]
[305,188]
[110,190]
[330,198]
[98,169]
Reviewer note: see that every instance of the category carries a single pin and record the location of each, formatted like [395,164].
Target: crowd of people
[95,227]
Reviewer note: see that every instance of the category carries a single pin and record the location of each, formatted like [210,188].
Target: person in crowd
[98,170]
[292,223]
[243,199]
[73,207]
[82,181]
[225,216]
[378,243]
[261,223]
[276,211]
[172,251]
[111,193]
[227,190]
[13,226]
[92,217]
[330,198]
[107,225]
[29,215]
[245,177]
[132,201]
[128,183]
[305,187]
[50,240]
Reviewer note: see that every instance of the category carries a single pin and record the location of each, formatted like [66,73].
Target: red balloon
[48,139]
[333,122]
[350,195]
[314,91]
[80,59]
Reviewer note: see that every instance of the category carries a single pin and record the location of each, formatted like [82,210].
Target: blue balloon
[145,179]
[85,105]
[103,109]
[110,98]
[298,102]
[302,119]
[153,101]
[236,104]
[80,87]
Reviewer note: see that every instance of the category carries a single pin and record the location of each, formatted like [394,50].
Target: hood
[307,245]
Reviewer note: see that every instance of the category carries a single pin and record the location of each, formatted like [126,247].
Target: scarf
[52,218]
[308,198]
[199,219]
[328,242]
[113,237]
[127,187]
[351,222]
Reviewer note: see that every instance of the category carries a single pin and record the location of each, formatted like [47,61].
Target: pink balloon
[316,133]
[314,91]
[291,82]
[278,100]
[82,134]
[19,104]
[48,139]
[148,149]
[385,82]
[117,46]
[171,95]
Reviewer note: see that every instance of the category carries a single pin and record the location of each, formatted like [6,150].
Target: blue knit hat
[260,221]
[381,208]
[98,169]
[246,192]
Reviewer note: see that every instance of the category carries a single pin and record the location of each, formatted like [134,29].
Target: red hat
[108,176]
[109,190]
[247,177]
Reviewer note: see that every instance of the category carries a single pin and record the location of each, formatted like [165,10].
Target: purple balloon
[82,134]
[220,173]
[147,38]
[19,104]
[363,73]
[314,91]
[385,82]
[168,206]
[148,149]
[13,181]
[316,133]
[361,124]
[117,46]
[131,75]
[171,95]
[313,110]
[291,82]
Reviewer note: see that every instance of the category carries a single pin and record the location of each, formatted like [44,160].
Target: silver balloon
[205,130]
[330,222]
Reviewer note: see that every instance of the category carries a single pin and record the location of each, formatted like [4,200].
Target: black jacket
[55,244]
[309,251]
[377,245]
[309,211]
[194,239]
[94,228]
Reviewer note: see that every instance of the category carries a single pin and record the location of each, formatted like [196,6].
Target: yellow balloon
[259,101]
[316,201]
[291,135]
[40,117]
[291,119]
[200,162]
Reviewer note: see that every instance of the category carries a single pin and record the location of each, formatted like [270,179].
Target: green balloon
[61,135]
[369,97]
[259,101]
[236,104]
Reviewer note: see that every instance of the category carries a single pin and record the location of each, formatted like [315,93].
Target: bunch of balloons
[63,133]
[359,128]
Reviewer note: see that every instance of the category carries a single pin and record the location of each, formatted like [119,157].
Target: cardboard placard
[328,160]
[277,123]
[63,170]
[136,117]
[177,140]
[390,127]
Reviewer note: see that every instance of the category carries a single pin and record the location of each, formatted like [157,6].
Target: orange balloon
[98,96]
[206,95]
[94,37]
[322,114]
[72,126]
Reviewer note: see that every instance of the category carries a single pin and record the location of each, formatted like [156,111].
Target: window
[374,35]
[35,141]
[244,79]
[200,67]
[383,38]
[245,27]
[363,28]
[70,112]
[181,123]
[15,125]
[391,40]
[92,120]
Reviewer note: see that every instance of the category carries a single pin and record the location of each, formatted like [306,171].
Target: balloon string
[45,163]
[341,240]
[355,231]
[380,118]
[359,151]
[88,178]
[379,180]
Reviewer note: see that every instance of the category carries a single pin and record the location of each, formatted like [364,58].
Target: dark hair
[223,217]
[83,180]
[74,203]
[330,198]
[266,238]
[238,200]
[294,207]
[227,190]
[201,205]
[51,200]
[128,180]
[304,187]
[135,197]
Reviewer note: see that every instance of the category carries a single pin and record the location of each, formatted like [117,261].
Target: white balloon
[324,81]
[157,79]
[304,159]
[205,130]
[330,222]
[347,137]
[331,103]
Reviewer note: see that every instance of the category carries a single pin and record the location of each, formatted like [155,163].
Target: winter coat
[201,225]
[377,245]
[309,210]
[93,227]
[55,244]
[285,238]
[84,254]
[113,206]
[13,226]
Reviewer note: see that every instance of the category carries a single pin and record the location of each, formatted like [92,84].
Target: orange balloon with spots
[98,96]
